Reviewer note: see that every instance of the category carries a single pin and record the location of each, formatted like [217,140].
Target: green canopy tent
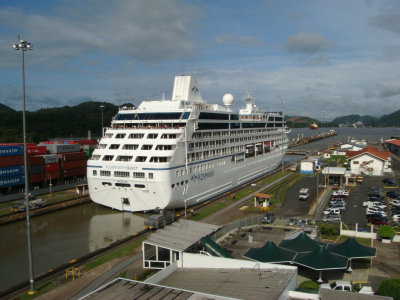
[321,259]
[270,253]
[302,243]
[352,249]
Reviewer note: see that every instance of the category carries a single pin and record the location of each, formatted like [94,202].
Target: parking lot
[355,212]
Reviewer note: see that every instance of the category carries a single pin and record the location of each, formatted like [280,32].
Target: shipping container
[12,171]
[35,178]
[51,167]
[35,160]
[9,161]
[50,158]
[71,156]
[53,175]
[12,181]
[73,164]
[11,150]
[61,148]
[36,150]
[36,169]
[74,172]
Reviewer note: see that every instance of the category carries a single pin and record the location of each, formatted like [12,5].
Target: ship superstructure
[179,152]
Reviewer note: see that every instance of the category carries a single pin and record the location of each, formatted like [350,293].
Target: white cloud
[307,43]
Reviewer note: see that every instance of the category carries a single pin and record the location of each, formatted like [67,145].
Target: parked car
[342,208]
[338,286]
[396,218]
[328,211]
[304,194]
[269,218]
[377,220]
[395,202]
[331,217]
[341,193]
[393,195]
[366,290]
[374,209]
[376,195]
[389,182]
[360,179]
[374,204]
[302,222]
[338,201]
[291,222]
[375,198]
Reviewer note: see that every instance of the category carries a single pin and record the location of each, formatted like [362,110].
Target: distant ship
[171,153]
[314,126]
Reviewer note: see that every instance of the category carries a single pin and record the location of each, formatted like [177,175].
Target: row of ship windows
[123,174]
[127,158]
[125,185]
[217,134]
[151,136]
[136,146]
[212,144]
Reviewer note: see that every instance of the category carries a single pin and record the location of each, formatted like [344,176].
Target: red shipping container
[36,150]
[33,178]
[20,144]
[51,167]
[53,175]
[9,161]
[71,156]
[35,160]
[73,164]
[74,172]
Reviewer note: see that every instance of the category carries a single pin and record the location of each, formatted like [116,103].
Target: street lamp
[24,46]
[102,130]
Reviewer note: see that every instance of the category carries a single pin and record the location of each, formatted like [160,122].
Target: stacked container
[36,169]
[51,167]
[73,164]
[11,165]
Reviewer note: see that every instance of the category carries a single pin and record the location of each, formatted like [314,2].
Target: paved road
[292,206]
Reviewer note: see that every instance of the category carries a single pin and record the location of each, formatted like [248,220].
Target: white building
[307,166]
[369,161]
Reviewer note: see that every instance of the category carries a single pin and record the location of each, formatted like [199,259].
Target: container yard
[49,162]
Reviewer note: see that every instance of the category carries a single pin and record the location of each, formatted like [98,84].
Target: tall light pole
[102,107]
[283,129]
[24,46]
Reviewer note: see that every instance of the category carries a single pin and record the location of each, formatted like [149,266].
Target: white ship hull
[146,161]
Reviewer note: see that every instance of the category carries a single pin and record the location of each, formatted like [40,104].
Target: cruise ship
[168,154]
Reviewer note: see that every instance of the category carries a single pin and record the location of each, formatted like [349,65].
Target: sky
[324,58]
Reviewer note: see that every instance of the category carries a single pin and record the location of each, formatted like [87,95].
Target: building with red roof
[369,161]
[393,146]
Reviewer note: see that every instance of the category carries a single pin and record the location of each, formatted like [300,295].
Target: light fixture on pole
[102,130]
[24,46]
[283,131]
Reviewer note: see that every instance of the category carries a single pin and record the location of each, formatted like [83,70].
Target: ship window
[186,115]
[141,158]
[149,116]
[147,147]
[136,136]
[105,173]
[161,159]
[213,116]
[170,136]
[114,146]
[209,126]
[95,157]
[130,147]
[125,200]
[151,176]
[102,146]
[152,135]
[120,135]
[108,157]
[121,174]
[234,117]
[108,135]
[106,183]
[165,147]
[140,186]
[177,173]
[124,158]
[138,175]
[123,185]
[94,172]
[172,185]
[355,162]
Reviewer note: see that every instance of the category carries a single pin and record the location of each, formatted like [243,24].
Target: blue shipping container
[12,181]
[11,150]
[11,171]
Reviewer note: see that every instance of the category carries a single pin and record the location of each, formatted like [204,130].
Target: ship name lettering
[202,176]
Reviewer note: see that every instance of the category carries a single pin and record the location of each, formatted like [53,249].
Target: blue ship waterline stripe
[94,166]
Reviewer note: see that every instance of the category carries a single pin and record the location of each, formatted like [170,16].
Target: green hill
[351,119]
[392,120]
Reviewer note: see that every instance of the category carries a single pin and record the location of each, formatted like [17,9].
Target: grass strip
[205,212]
[39,291]
[124,251]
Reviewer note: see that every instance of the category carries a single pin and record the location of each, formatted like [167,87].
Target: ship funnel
[185,88]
